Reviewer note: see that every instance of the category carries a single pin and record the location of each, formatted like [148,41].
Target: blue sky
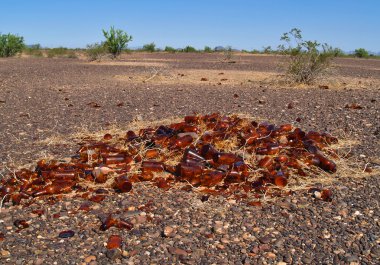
[243,24]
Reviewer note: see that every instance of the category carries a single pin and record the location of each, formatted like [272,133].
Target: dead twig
[153,76]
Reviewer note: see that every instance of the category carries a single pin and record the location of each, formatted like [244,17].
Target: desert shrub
[338,52]
[95,51]
[189,49]
[61,52]
[268,50]
[361,53]
[207,49]
[150,47]
[169,49]
[306,60]
[228,53]
[33,50]
[10,44]
[116,41]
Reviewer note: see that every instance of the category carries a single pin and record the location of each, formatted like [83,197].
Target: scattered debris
[93,105]
[353,106]
[66,234]
[114,241]
[211,154]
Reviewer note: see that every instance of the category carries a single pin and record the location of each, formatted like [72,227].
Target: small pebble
[5,253]
[168,231]
[113,254]
[90,258]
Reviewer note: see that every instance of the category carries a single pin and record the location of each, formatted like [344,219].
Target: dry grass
[325,82]
[198,77]
[128,63]
[164,75]
[347,167]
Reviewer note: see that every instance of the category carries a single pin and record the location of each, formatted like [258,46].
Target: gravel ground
[43,98]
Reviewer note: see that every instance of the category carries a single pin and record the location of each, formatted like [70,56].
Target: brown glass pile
[214,154]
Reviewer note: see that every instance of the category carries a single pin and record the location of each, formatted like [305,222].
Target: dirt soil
[45,103]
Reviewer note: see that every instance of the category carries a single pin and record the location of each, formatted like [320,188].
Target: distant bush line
[116,41]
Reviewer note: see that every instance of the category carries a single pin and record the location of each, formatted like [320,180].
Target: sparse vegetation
[361,53]
[228,53]
[307,60]
[150,47]
[95,51]
[170,49]
[207,49]
[10,44]
[116,41]
[189,49]
[61,52]
[338,52]
[33,50]
[268,50]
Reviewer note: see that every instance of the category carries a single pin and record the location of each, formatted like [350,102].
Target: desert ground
[48,105]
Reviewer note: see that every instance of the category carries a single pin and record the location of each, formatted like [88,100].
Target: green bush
[307,60]
[116,41]
[338,52]
[189,49]
[61,52]
[150,47]
[95,51]
[207,49]
[33,50]
[170,49]
[361,53]
[10,44]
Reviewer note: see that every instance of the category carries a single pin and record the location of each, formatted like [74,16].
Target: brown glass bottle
[183,141]
[211,178]
[123,184]
[225,158]
[56,187]
[116,159]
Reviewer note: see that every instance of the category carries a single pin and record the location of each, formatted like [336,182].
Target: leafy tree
[10,44]
[306,59]
[189,49]
[169,49]
[207,49]
[150,47]
[361,53]
[116,41]
[338,52]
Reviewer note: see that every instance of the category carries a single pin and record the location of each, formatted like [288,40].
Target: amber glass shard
[114,241]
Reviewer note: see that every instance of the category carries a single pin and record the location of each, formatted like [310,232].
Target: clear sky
[243,24]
